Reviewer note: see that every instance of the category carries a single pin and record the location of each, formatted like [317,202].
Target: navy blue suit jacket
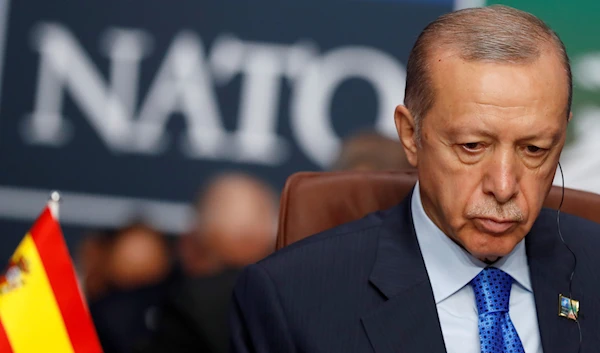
[363,287]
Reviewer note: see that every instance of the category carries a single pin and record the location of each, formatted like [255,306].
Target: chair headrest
[312,202]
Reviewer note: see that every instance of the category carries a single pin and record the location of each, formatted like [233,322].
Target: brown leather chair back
[315,201]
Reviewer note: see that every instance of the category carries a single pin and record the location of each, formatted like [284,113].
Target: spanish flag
[41,307]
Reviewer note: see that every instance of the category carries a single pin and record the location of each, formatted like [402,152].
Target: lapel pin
[568,307]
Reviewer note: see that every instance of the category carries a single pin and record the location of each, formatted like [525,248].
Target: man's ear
[570,117]
[405,127]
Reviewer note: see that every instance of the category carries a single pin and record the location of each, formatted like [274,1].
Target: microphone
[562,198]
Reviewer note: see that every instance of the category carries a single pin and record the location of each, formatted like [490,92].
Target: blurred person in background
[91,255]
[370,151]
[140,256]
[235,226]
[136,265]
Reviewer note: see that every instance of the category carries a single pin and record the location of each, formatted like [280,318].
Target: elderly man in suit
[469,261]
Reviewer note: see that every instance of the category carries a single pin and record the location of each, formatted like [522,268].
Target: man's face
[489,149]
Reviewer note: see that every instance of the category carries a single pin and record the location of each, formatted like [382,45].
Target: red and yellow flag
[41,306]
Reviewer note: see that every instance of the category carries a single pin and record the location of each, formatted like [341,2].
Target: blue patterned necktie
[497,333]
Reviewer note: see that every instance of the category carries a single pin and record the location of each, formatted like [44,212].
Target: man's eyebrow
[464,129]
[553,135]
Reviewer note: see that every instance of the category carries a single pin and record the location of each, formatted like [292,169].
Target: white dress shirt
[451,268]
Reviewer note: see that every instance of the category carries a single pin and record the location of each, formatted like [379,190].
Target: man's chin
[491,248]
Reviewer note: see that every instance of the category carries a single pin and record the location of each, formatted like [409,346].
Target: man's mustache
[508,212]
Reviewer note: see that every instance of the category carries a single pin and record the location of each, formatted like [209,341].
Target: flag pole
[54,203]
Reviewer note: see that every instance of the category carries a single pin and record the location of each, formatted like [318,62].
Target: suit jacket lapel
[550,266]
[407,321]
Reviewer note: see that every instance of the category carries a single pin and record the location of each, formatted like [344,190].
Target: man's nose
[501,178]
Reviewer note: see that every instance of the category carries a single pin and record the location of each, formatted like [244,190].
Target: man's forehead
[500,83]
[443,53]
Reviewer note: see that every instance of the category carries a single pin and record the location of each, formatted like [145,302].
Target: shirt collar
[449,266]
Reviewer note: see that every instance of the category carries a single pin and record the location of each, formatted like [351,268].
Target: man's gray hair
[496,34]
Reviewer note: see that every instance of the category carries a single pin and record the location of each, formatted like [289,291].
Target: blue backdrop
[127,107]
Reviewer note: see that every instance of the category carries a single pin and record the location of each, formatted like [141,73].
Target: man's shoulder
[566,219]
[330,250]
[577,231]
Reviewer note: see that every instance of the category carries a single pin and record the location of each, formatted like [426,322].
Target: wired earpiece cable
[562,199]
